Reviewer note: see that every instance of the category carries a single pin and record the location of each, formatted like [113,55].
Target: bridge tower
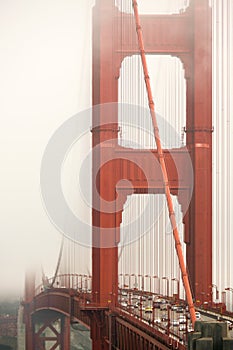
[188,36]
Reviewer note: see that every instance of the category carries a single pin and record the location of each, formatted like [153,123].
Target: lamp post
[124,280]
[81,283]
[148,276]
[177,294]
[217,292]
[197,296]
[120,276]
[135,280]
[204,298]
[142,284]
[85,283]
[90,283]
[167,291]
[156,277]
[224,297]
[230,290]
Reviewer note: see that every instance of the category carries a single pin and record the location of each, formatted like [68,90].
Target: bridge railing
[79,282]
[131,283]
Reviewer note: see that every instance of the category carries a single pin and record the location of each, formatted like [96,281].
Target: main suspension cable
[163,167]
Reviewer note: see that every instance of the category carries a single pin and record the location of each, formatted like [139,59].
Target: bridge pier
[98,327]
[48,328]
[29,295]
[210,336]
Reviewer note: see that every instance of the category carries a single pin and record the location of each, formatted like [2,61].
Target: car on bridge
[148,309]
[157,320]
[198,315]
[164,317]
[230,325]
[179,309]
[190,327]
[174,307]
[182,327]
[164,306]
[182,319]
[174,323]
[124,303]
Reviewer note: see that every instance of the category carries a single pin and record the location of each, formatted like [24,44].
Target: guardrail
[79,282]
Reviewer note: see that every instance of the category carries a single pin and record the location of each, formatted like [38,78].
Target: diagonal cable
[163,167]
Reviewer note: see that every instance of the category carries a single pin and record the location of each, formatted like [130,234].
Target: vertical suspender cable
[163,167]
[228,134]
[216,148]
[223,136]
[58,262]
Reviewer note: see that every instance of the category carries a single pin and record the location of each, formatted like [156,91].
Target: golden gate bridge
[131,297]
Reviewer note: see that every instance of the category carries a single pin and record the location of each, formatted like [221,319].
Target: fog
[45,70]
[45,79]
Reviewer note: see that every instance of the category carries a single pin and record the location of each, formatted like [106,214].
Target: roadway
[164,314]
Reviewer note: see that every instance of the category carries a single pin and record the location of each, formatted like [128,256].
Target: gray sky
[45,60]
[45,79]
[45,74]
